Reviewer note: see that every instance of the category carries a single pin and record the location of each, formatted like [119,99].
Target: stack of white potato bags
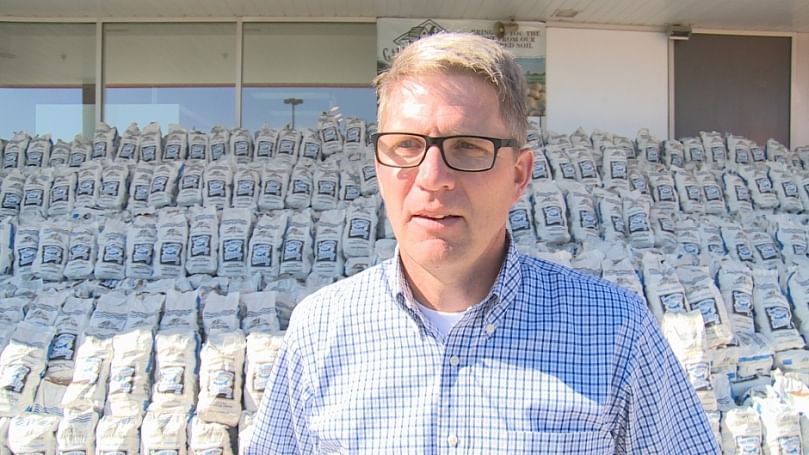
[147,278]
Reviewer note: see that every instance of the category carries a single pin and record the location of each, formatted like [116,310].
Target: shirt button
[452,440]
[454,361]
[489,329]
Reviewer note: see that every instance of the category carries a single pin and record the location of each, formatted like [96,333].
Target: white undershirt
[441,320]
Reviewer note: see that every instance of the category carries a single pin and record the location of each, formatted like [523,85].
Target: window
[322,65]
[170,73]
[47,79]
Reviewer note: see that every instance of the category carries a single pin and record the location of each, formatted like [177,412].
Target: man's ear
[523,168]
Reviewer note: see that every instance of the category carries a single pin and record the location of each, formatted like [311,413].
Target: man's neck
[454,287]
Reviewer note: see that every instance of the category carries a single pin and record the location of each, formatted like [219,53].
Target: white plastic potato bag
[773,315]
[266,139]
[741,431]
[34,204]
[781,425]
[262,350]
[714,147]
[220,313]
[663,190]
[113,192]
[22,363]
[329,134]
[140,243]
[327,185]
[688,191]
[221,370]
[736,242]
[88,389]
[80,151]
[140,186]
[550,213]
[760,185]
[70,325]
[62,192]
[163,187]
[118,435]
[234,235]
[88,184]
[611,215]
[176,369]
[210,437]
[203,240]
[299,194]
[664,293]
[176,147]
[172,237]
[127,148]
[190,186]
[274,183]
[581,210]
[541,169]
[52,251]
[76,432]
[111,261]
[703,295]
[289,141]
[359,234]
[33,433]
[736,285]
[219,143]
[328,249]
[310,148]
[59,154]
[355,136]
[350,187]
[26,244]
[218,180]
[130,372]
[151,143]
[637,213]
[38,151]
[164,433]
[246,187]
[265,244]
[11,193]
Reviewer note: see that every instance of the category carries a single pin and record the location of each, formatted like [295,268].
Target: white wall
[799,118]
[616,81]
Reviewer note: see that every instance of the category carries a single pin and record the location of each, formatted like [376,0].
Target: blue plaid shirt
[551,361]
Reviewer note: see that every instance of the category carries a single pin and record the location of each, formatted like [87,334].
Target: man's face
[445,218]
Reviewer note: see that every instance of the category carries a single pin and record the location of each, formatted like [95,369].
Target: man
[459,344]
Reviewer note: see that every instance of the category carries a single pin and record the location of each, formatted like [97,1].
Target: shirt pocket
[574,442]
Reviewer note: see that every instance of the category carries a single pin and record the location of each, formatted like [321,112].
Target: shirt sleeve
[663,413]
[281,425]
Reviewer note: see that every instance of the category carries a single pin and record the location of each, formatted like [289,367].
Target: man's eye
[408,145]
[469,147]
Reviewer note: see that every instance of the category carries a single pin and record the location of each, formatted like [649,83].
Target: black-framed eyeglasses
[461,153]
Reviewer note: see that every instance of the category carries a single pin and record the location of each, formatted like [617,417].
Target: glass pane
[47,79]
[170,73]
[266,105]
[325,65]
[309,53]
[192,107]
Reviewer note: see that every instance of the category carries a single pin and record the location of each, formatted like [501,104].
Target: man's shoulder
[579,289]
[346,295]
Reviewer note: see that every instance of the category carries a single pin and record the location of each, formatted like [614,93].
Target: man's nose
[433,172]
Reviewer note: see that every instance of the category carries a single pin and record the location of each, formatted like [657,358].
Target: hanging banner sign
[526,40]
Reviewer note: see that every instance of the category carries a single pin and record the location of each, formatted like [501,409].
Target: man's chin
[432,252]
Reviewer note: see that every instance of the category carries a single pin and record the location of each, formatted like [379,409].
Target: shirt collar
[502,293]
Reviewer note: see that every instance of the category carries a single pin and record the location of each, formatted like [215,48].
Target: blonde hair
[469,53]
